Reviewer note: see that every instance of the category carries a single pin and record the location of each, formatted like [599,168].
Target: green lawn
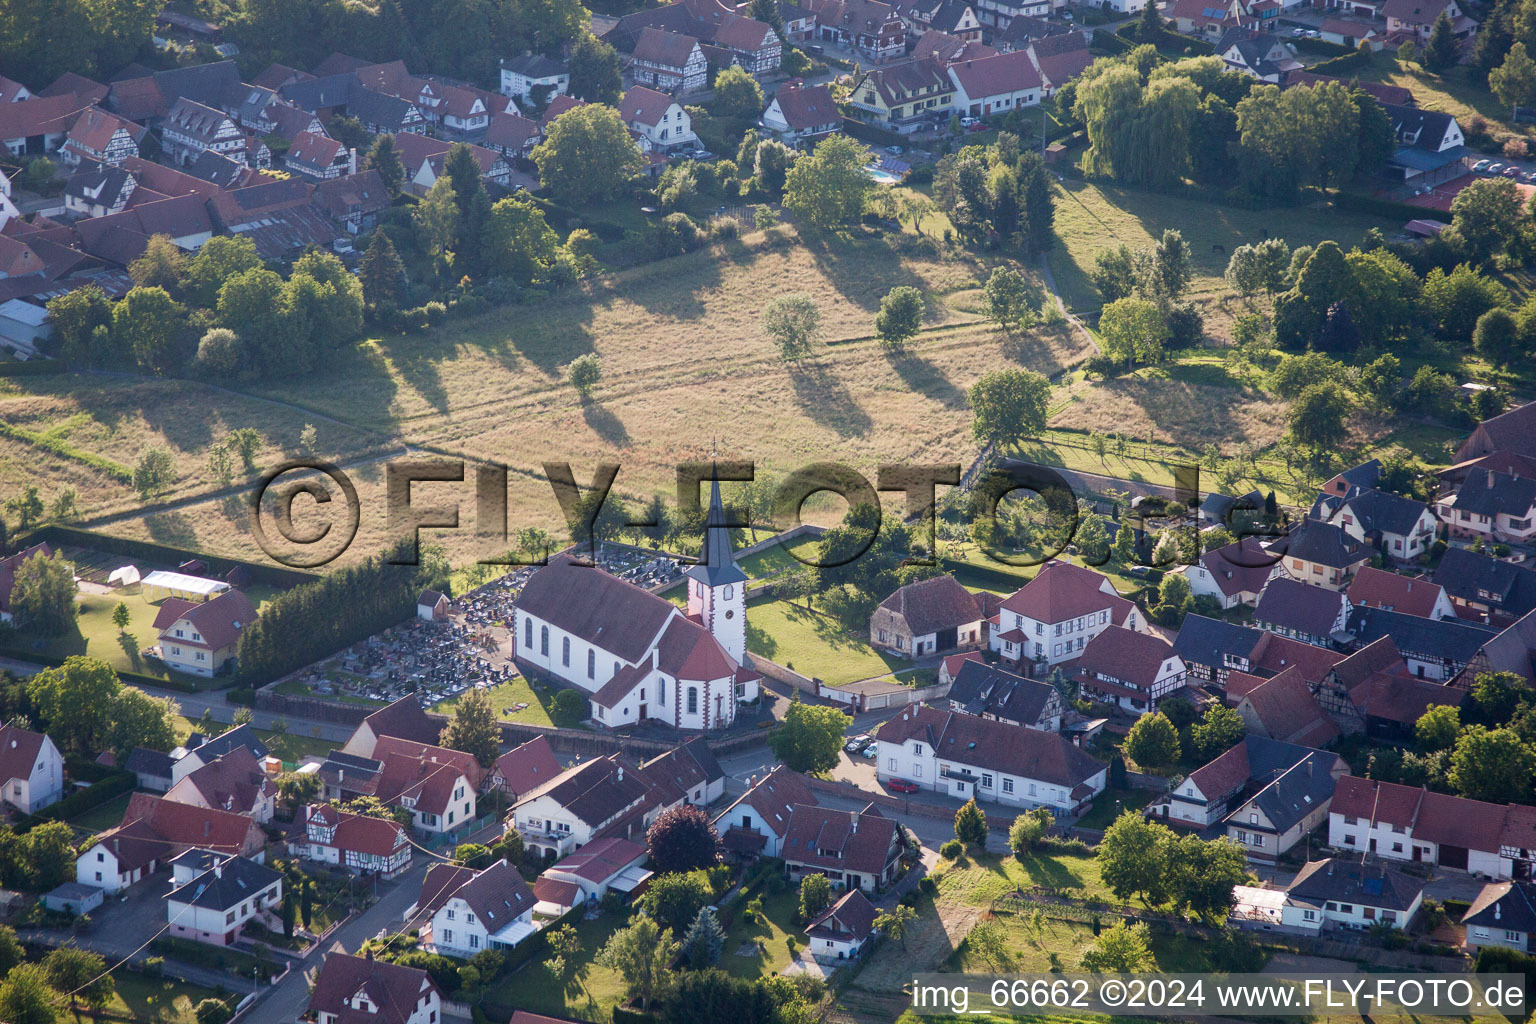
[503,696]
[979,880]
[148,999]
[99,819]
[1108,805]
[813,644]
[1059,945]
[778,556]
[96,635]
[590,994]
[769,931]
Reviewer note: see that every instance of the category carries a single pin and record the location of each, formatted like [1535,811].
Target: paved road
[194,704]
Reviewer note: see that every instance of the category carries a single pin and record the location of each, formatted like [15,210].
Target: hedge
[624,1015]
[64,450]
[82,800]
[1358,202]
[21,653]
[1165,39]
[261,572]
[31,368]
[1348,62]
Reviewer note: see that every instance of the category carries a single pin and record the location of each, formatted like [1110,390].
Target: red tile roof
[996,76]
[1276,653]
[94,128]
[1435,817]
[394,989]
[234,782]
[1288,711]
[559,105]
[218,621]
[1377,588]
[377,837]
[645,106]
[527,766]
[1126,654]
[858,841]
[182,826]
[45,115]
[510,132]
[1062,591]
[390,746]
[19,751]
[601,859]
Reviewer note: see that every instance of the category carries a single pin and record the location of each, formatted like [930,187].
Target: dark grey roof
[377,108]
[1343,881]
[1487,493]
[1292,604]
[1473,577]
[321,93]
[498,895]
[947,17]
[1364,475]
[1322,543]
[239,736]
[1205,641]
[153,763]
[717,564]
[107,183]
[980,688]
[1024,28]
[534,65]
[1217,506]
[216,168]
[209,84]
[1506,905]
[1430,125]
[1514,650]
[1301,789]
[1385,511]
[1454,640]
[225,886]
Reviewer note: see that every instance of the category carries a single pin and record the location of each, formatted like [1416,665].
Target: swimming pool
[882,175]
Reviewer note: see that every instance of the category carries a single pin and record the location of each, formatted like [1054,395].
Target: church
[635,655]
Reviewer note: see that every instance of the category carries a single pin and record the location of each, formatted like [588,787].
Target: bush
[725,227]
[569,707]
[927,886]
[952,850]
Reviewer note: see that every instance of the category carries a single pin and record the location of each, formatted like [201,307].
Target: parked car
[1137,570]
[1481,166]
[1495,168]
[893,150]
[902,786]
[857,743]
[1529,177]
[871,751]
[1298,32]
[966,122]
[977,127]
[1511,171]
[815,48]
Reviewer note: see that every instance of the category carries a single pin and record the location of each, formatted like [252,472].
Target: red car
[902,786]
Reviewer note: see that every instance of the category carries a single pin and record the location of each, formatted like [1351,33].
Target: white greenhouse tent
[159,585]
[123,576]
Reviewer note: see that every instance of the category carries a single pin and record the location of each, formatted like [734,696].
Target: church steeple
[717,562]
[717,588]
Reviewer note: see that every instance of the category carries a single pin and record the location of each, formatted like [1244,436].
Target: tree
[43,595]
[436,217]
[150,325]
[323,304]
[810,738]
[1009,406]
[1131,857]
[1438,727]
[473,728]
[971,824]
[815,895]
[385,159]
[212,1011]
[1171,266]
[1497,337]
[251,303]
[161,265]
[76,315]
[642,955]
[682,839]
[519,243]
[1039,209]
[1150,27]
[1485,217]
[1132,331]
[25,997]
[27,507]
[1514,81]
[705,940]
[1440,53]
[137,719]
[219,353]
[11,952]
[154,473]
[896,922]
[569,707]
[829,186]
[794,322]
[1153,742]
[1201,874]
[80,974]
[1220,729]
[1007,297]
[1492,764]
[220,258]
[1497,695]
[1319,417]
[382,274]
[1028,829]
[290,913]
[246,442]
[587,155]
[737,94]
[596,71]
[584,373]
[900,317]
[1123,948]
[675,900]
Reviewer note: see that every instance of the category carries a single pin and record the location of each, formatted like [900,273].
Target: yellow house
[200,638]
[903,96]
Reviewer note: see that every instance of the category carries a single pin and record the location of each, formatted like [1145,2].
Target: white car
[871,751]
[966,122]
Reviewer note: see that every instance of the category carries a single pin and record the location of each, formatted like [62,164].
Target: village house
[1428,140]
[1400,528]
[903,97]
[756,824]
[235,782]
[634,654]
[512,135]
[989,691]
[522,76]
[200,750]
[1284,708]
[1482,588]
[354,202]
[725,36]
[403,719]
[658,118]
[1503,914]
[1060,58]
[39,125]
[424,160]
[1492,506]
[843,930]
[1215,791]
[1021,24]
[670,62]
[948,49]
[952,17]
[191,129]
[200,638]
[1285,809]
[524,768]
[1128,669]
[493,909]
[965,756]
[1257,53]
[362,990]
[1234,574]
[995,85]
[100,137]
[686,774]
[1051,618]
[854,849]
[934,615]
[1415,19]
[1433,649]
[1349,893]
[438,791]
[589,874]
[869,27]
[1404,823]
[31,769]
[1301,611]
[357,843]
[320,157]
[1372,691]
[153,831]
[1512,650]
[1388,591]
[800,115]
[215,905]
[1321,553]
[464,110]
[601,797]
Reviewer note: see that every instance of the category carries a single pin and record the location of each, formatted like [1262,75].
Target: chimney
[351,169]
[207,828]
[218,871]
[1489,478]
[853,822]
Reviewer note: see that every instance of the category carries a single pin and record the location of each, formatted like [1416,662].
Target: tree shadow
[605,424]
[923,377]
[172,529]
[827,401]
[760,642]
[859,263]
[130,645]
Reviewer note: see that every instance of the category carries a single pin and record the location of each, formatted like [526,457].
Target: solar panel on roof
[1372,887]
